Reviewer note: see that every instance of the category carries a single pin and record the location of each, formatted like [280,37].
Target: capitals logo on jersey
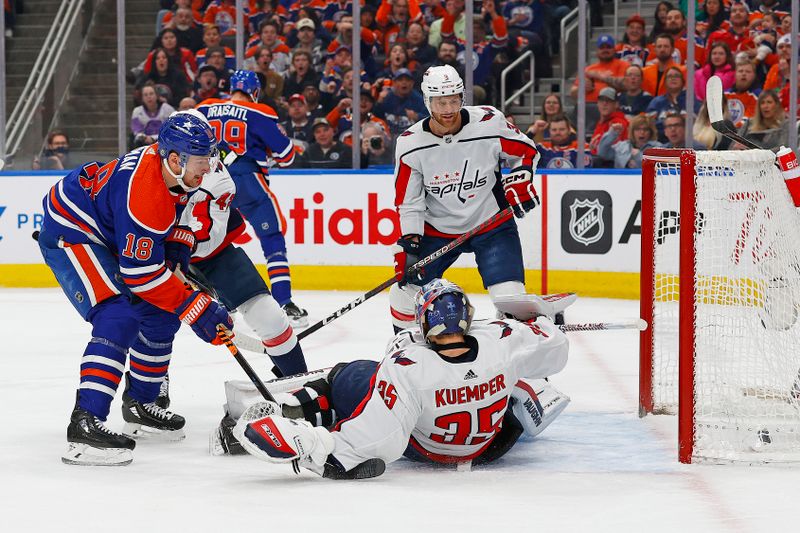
[455,182]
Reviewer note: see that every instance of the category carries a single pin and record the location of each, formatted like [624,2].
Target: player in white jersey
[448,180]
[213,225]
[456,392]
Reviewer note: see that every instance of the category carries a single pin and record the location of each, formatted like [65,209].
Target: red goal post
[720,288]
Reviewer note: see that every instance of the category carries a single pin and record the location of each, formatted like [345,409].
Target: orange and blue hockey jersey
[250,130]
[125,206]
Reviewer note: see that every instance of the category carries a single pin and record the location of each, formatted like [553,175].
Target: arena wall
[585,237]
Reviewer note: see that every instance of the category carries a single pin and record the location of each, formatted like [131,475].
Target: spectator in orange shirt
[633,47]
[779,72]
[609,115]
[211,39]
[742,97]
[653,75]
[393,17]
[223,15]
[676,26]
[608,71]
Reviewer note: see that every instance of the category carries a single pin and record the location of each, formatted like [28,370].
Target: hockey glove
[519,191]
[282,440]
[406,253]
[178,249]
[204,315]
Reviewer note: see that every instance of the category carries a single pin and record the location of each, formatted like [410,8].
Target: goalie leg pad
[401,303]
[537,404]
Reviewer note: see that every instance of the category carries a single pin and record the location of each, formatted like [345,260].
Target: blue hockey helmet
[187,133]
[442,307]
[247,82]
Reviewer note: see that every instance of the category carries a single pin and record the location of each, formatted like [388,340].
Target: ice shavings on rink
[597,468]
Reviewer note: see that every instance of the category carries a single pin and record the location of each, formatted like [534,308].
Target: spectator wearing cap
[300,73]
[212,38]
[393,17]
[607,71]
[743,96]
[633,100]
[147,118]
[653,75]
[188,32]
[737,31]
[402,105]
[526,22]
[344,37]
[326,151]
[610,115]
[268,35]
[417,45]
[216,58]
[778,74]
[272,83]
[308,42]
[223,15]
[676,27]
[633,47]
[206,85]
[298,126]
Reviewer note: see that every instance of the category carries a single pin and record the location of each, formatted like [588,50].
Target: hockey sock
[103,362]
[280,279]
[148,366]
[292,362]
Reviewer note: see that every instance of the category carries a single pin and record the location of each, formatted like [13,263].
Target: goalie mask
[442,307]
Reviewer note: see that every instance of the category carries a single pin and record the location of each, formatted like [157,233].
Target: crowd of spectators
[301,51]
[636,88]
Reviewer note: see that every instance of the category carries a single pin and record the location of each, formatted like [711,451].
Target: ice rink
[597,468]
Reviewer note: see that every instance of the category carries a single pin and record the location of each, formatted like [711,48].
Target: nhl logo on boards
[586,222]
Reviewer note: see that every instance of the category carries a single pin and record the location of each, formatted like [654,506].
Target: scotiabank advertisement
[588,222]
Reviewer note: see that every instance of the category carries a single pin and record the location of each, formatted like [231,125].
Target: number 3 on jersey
[232,132]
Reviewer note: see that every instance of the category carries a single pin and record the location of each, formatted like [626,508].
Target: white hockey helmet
[441,81]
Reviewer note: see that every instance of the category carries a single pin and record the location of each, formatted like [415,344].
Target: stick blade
[714,99]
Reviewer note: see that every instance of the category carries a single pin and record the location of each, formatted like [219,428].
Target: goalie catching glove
[282,440]
[519,191]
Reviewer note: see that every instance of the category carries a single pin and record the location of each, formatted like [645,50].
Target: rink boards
[585,236]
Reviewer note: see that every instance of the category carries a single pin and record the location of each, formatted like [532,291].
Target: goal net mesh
[747,291]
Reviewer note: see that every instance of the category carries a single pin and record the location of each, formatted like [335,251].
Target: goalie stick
[226,339]
[716,117]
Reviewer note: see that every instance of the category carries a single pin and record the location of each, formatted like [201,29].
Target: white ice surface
[597,468]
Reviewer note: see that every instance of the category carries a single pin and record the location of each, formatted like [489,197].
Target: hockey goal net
[720,287]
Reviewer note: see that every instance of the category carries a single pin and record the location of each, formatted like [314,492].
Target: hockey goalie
[453,391]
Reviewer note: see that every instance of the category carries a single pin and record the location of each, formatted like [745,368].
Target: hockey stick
[638,324]
[507,212]
[716,117]
[226,339]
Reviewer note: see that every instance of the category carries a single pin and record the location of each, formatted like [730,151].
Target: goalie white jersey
[208,211]
[448,409]
[452,182]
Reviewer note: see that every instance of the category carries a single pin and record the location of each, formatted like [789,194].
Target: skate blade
[86,455]
[140,432]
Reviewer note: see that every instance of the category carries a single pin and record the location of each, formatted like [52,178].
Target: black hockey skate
[149,420]
[163,394]
[298,317]
[222,441]
[92,443]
